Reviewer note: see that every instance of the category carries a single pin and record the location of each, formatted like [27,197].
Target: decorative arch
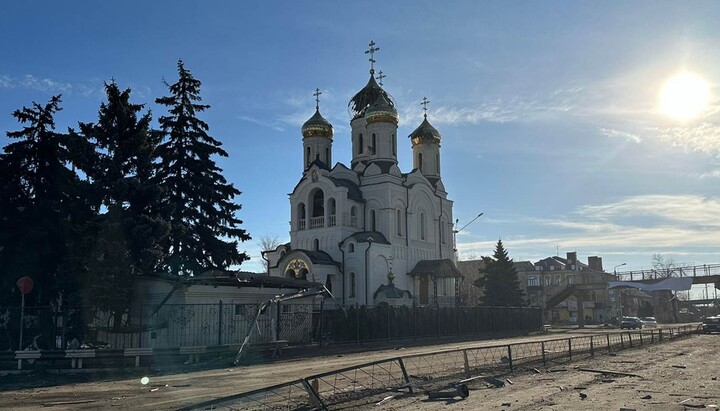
[301,215]
[332,211]
[317,201]
[316,244]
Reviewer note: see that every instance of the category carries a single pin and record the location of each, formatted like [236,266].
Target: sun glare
[684,96]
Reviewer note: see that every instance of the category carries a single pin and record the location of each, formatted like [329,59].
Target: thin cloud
[704,138]
[613,133]
[48,85]
[267,124]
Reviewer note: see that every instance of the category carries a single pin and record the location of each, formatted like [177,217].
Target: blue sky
[548,110]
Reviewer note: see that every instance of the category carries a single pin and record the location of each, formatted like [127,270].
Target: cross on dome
[424,103]
[317,98]
[380,77]
[371,51]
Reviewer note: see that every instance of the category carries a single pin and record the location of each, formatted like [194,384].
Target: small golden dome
[381,111]
[425,133]
[317,126]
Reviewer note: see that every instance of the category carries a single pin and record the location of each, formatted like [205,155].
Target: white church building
[371,233]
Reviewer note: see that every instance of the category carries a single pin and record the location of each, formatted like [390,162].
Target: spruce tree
[42,202]
[499,280]
[128,232]
[204,228]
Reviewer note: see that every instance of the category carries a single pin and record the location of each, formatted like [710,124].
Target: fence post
[630,339]
[660,335]
[521,319]
[641,339]
[466,364]
[507,318]
[570,348]
[405,374]
[277,321]
[510,361]
[388,322]
[592,348]
[622,342]
[652,336]
[492,317]
[357,323]
[320,326]
[140,329]
[607,337]
[437,320]
[220,324]
[414,320]
[63,339]
[542,347]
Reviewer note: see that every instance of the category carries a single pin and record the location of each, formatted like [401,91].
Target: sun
[684,96]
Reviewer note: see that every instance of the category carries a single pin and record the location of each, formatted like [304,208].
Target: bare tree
[268,243]
[664,267]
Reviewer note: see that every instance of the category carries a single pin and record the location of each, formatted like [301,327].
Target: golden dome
[381,111]
[317,126]
[425,133]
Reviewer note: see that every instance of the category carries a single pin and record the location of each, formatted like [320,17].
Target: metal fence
[341,389]
[181,325]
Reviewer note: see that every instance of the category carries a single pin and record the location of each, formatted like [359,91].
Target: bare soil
[666,384]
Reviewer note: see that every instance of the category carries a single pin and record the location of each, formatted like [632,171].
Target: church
[371,233]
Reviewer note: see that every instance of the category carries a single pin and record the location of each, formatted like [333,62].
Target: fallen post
[626,374]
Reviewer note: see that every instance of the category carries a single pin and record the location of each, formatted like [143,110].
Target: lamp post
[455,231]
[620,293]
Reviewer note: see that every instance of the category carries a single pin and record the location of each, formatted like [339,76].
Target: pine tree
[43,200]
[203,225]
[499,280]
[128,233]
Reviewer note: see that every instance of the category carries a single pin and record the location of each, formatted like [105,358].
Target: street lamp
[455,231]
[615,269]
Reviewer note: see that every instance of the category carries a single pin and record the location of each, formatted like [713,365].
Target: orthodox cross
[371,51]
[380,77]
[424,103]
[317,98]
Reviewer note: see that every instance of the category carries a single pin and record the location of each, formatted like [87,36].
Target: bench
[193,352]
[30,356]
[546,328]
[76,356]
[137,353]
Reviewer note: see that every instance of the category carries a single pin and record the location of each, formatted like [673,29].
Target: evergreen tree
[499,280]
[128,233]
[42,201]
[204,228]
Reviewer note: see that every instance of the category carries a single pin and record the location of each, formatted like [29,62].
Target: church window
[331,212]
[318,204]
[307,155]
[372,220]
[352,284]
[360,144]
[422,226]
[374,143]
[328,283]
[301,216]
[394,144]
[353,216]
[327,156]
[351,248]
[398,218]
[442,232]
[437,162]
[316,245]
[420,162]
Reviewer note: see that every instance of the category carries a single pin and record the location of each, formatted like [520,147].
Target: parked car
[631,322]
[649,322]
[711,324]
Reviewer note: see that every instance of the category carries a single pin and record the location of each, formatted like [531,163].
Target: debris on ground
[509,381]
[647,397]
[583,395]
[460,390]
[538,371]
[494,382]
[506,404]
[386,399]
[607,372]
[557,369]
[679,366]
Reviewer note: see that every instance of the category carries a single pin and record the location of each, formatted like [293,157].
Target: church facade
[371,233]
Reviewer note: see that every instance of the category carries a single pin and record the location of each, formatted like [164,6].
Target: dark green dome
[366,97]
[425,133]
[317,126]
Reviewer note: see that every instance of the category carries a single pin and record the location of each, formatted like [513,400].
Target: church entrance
[424,283]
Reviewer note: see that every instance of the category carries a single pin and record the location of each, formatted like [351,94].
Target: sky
[548,110]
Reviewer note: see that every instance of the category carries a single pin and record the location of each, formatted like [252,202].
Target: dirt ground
[666,384]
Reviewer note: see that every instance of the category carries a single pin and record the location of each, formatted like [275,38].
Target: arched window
[437,162]
[327,156]
[353,216]
[331,212]
[420,162]
[352,284]
[422,226]
[372,220]
[318,200]
[301,216]
[398,221]
[328,283]
[374,144]
[351,248]
[360,144]
[394,144]
[307,155]
[290,274]
[316,244]
[302,275]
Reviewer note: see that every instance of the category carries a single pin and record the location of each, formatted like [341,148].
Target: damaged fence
[221,323]
[340,389]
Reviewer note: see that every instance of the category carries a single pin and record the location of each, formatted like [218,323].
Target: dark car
[711,324]
[631,322]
